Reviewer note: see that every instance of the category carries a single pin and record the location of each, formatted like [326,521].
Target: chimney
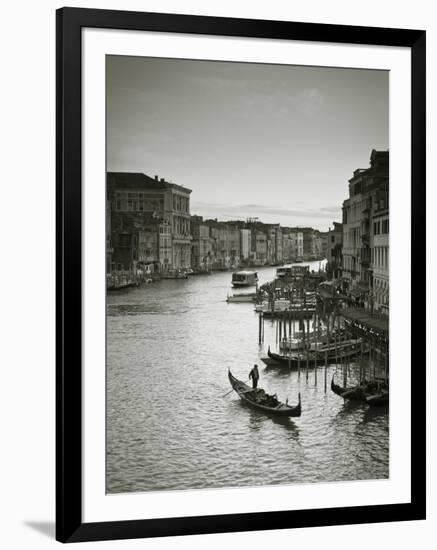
[156,178]
[162,180]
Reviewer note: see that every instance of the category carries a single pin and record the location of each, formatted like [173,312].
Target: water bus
[244,278]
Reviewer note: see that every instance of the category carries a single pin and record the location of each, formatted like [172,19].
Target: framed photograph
[240,274]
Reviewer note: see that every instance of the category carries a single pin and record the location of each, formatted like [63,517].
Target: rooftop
[138,180]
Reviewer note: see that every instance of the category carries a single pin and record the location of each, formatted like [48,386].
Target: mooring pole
[308,342]
[326,354]
[315,349]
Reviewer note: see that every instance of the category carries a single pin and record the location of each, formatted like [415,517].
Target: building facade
[334,250]
[292,245]
[380,257]
[367,203]
[154,210]
[245,244]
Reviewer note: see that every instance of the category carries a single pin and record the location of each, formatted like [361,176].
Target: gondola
[318,357]
[258,399]
[378,399]
[292,360]
[354,393]
[364,393]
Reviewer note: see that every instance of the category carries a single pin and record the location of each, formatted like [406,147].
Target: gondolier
[260,400]
[254,374]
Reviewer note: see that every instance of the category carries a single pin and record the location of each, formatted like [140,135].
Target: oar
[233,390]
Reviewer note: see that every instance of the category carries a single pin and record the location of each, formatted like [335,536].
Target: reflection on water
[169,423]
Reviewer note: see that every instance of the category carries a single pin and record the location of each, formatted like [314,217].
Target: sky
[276,142]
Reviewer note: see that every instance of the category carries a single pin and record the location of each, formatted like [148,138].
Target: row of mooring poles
[285,328]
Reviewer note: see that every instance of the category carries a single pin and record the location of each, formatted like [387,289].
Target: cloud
[333,209]
[258,210]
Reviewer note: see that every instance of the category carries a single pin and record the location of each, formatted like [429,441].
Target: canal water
[169,424]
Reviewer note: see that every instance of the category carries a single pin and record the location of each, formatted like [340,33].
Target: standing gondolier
[254,374]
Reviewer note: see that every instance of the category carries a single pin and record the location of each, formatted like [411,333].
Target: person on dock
[254,374]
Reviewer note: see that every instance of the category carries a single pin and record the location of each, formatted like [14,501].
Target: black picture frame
[69,525]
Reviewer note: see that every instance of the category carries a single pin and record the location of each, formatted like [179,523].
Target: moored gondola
[371,393]
[258,399]
[314,356]
[288,361]
[378,399]
[354,393]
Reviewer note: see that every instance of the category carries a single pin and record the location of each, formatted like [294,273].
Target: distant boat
[244,278]
[258,399]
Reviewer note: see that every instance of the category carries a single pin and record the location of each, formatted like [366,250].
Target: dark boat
[354,393]
[258,399]
[318,357]
[378,399]
[368,393]
[292,361]
[270,362]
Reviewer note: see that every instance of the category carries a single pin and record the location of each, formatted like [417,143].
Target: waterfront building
[148,246]
[292,245]
[317,245]
[297,237]
[334,245]
[368,199]
[201,245]
[225,244]
[274,243]
[245,244]
[261,247]
[311,243]
[380,254]
[324,244]
[165,246]
[134,198]
[233,245]
[125,253]
[287,245]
